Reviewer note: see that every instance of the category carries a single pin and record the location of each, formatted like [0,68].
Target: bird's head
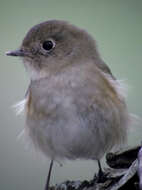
[52,45]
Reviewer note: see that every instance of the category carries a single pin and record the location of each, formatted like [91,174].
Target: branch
[122,173]
[140,168]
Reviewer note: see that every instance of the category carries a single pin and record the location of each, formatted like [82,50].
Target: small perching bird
[75,108]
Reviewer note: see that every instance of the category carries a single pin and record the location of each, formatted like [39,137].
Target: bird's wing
[103,66]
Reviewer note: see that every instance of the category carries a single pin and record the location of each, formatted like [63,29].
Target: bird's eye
[48,45]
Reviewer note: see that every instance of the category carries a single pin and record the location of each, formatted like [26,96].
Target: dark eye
[48,45]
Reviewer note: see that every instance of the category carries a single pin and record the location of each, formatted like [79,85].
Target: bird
[75,108]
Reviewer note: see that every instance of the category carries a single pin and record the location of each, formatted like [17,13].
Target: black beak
[16,53]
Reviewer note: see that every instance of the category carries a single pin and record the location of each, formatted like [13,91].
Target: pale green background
[117,27]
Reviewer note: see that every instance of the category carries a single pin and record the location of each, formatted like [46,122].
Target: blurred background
[117,28]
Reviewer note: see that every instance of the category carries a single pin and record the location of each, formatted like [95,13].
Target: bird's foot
[101,177]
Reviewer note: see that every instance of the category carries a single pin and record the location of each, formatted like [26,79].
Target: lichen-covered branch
[124,172]
[140,168]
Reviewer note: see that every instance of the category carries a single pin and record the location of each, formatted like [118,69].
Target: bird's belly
[65,134]
[67,125]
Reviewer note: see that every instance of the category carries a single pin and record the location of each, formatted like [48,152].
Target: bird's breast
[63,113]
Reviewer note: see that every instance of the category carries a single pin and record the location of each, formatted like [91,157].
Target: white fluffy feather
[20,106]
